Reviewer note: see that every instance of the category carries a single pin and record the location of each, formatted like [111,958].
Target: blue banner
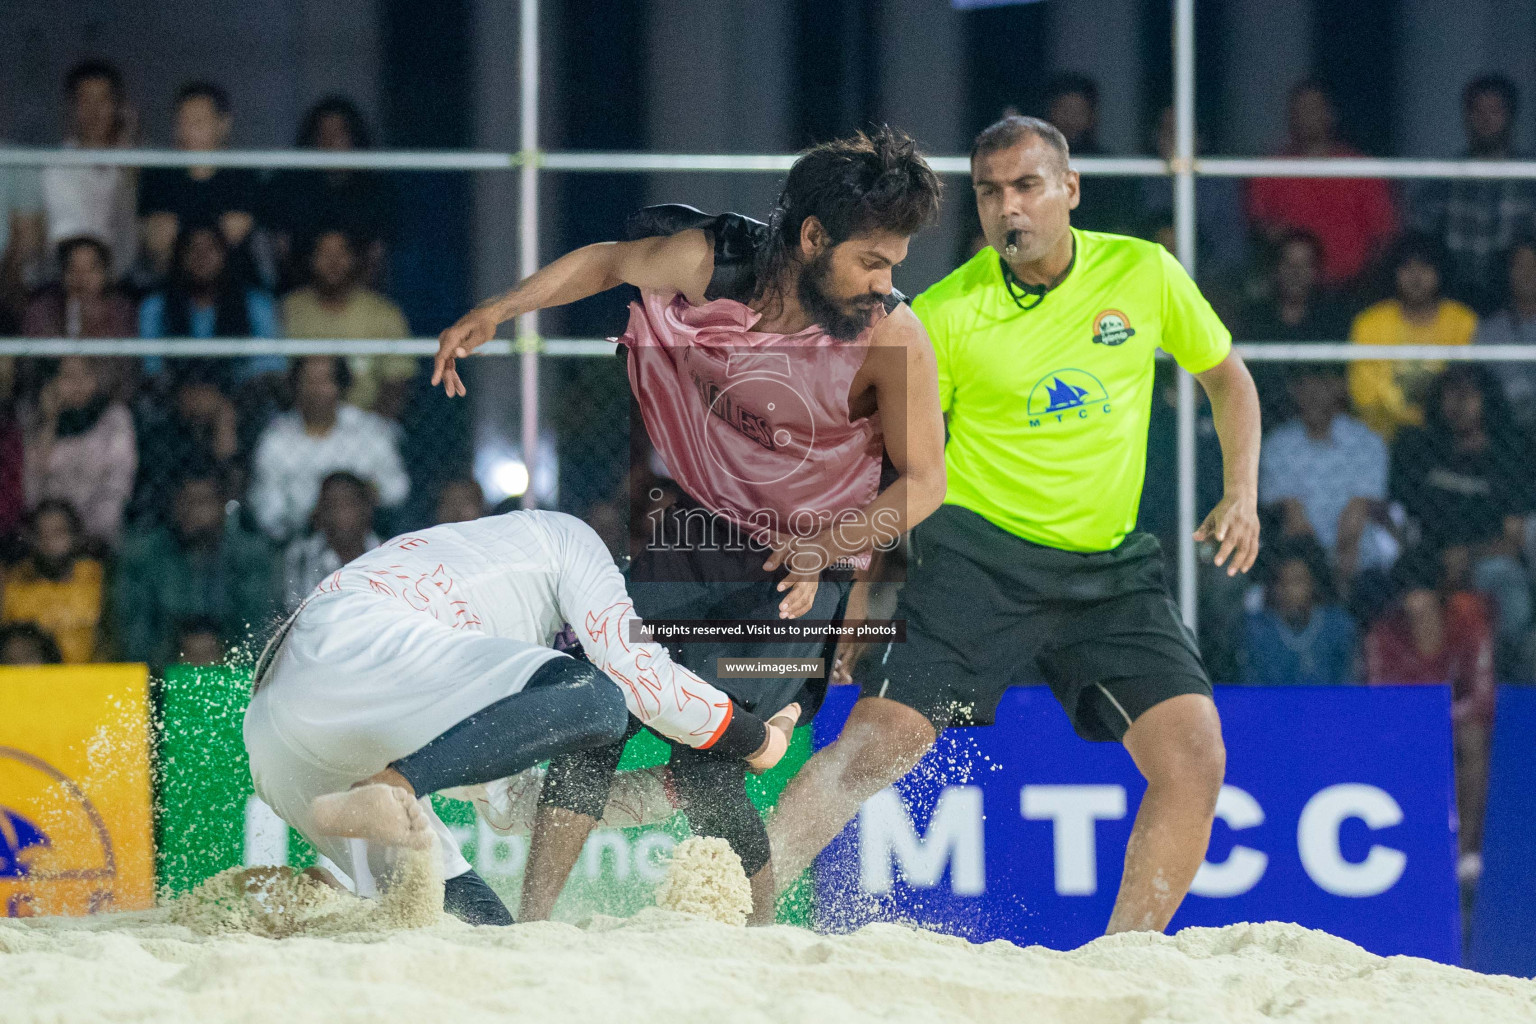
[1504,921]
[1337,814]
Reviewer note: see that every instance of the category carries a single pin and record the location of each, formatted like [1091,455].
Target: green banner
[208,818]
[203,782]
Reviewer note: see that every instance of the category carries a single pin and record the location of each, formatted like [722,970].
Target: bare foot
[379,813]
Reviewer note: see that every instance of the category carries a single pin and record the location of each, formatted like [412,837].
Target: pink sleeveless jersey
[753,426]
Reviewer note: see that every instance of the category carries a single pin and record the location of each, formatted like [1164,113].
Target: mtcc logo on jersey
[1066,394]
[1112,327]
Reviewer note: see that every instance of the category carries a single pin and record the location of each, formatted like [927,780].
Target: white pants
[360,681]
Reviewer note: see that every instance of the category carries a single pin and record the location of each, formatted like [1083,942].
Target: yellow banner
[76,832]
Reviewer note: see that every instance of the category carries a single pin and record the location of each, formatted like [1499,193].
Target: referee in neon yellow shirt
[1045,343]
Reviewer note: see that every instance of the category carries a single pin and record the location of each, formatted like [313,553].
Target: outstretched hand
[473,329]
[801,585]
[1234,524]
[844,658]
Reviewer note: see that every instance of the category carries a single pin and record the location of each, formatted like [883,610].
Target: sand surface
[666,966]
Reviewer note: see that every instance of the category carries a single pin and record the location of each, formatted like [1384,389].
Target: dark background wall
[698,75]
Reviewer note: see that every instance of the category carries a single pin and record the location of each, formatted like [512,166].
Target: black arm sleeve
[743,736]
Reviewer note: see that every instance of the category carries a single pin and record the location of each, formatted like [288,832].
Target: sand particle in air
[706,878]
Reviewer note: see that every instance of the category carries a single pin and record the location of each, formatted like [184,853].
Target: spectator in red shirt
[1437,635]
[1351,217]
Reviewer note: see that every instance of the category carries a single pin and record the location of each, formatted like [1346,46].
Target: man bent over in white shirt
[425,664]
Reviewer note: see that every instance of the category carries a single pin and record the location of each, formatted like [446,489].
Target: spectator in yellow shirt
[26,643]
[1389,395]
[335,304]
[55,586]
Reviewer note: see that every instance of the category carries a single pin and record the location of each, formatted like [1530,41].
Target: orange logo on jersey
[1112,327]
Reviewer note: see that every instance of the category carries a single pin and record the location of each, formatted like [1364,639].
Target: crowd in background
[163,510]
[1383,482]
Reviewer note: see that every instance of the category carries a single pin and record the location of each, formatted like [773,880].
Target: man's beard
[841,320]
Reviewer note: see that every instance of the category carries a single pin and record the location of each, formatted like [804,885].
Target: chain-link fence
[161,509]
[1368,508]
[218,490]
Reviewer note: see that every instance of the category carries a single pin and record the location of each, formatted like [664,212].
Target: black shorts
[732,586]
[986,610]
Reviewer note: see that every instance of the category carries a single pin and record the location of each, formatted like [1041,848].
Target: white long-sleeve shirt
[290,464]
[524,574]
[96,201]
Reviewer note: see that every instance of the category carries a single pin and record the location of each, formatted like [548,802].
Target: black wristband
[742,738]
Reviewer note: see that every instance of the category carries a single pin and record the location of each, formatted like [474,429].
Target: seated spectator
[198,642]
[1220,224]
[80,448]
[1352,218]
[204,299]
[26,643]
[56,585]
[1389,395]
[95,201]
[1439,636]
[172,198]
[1296,639]
[335,304]
[1478,220]
[1515,324]
[1107,203]
[197,566]
[1327,472]
[83,304]
[342,531]
[196,424]
[22,230]
[459,501]
[359,203]
[1467,484]
[13,491]
[1294,309]
[322,435]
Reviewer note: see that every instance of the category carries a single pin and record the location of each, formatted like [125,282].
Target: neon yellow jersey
[1048,407]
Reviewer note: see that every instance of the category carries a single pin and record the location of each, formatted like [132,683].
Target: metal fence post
[1184,230]
[528,235]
